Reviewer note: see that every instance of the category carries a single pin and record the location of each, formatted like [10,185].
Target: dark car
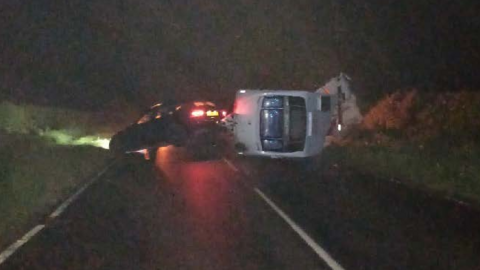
[190,124]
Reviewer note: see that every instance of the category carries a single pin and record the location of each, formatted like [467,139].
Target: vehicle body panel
[167,124]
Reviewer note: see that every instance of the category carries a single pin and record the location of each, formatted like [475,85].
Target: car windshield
[155,112]
[146,118]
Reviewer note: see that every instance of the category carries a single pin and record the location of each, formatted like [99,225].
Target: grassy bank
[449,172]
[31,119]
[430,141]
[36,175]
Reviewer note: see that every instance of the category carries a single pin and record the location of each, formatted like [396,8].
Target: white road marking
[20,242]
[310,242]
[230,164]
[68,201]
[72,198]
[322,253]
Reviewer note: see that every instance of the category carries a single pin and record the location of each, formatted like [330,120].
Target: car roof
[196,103]
[203,103]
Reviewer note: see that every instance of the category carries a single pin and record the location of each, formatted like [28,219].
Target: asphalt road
[186,213]
[179,214]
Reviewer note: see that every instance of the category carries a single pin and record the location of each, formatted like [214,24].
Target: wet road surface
[369,223]
[185,213]
[180,214]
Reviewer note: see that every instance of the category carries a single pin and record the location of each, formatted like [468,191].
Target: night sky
[85,54]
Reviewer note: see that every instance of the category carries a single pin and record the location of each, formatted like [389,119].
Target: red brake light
[197,113]
[224,113]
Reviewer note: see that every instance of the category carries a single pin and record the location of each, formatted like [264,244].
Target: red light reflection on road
[205,196]
[217,217]
[214,213]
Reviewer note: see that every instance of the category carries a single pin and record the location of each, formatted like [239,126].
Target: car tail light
[224,113]
[197,113]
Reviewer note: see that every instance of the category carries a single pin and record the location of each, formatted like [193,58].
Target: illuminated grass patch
[63,137]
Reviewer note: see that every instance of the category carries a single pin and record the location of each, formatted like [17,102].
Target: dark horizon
[84,54]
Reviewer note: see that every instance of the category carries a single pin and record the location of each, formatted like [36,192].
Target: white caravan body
[280,123]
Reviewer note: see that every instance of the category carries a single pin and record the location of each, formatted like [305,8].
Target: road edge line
[322,253]
[230,164]
[10,250]
[59,210]
[20,242]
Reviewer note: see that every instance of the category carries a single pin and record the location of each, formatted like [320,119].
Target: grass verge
[447,171]
[36,175]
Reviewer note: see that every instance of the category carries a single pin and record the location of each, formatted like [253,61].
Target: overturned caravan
[287,123]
